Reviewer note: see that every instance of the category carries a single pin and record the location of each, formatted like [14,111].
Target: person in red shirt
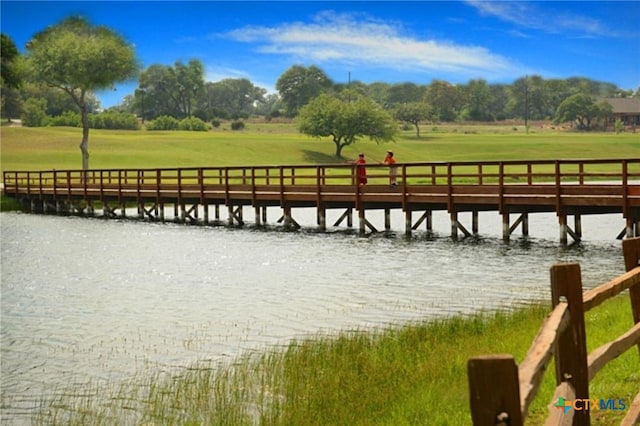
[393,170]
[361,171]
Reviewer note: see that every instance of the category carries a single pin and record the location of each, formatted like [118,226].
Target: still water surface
[94,300]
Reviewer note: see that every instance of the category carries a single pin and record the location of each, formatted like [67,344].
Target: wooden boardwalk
[566,187]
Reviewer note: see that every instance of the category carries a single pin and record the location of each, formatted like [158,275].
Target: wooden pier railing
[500,392]
[566,187]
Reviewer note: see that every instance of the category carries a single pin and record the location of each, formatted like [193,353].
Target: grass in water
[414,374]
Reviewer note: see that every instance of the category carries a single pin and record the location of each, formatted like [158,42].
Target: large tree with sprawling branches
[79,58]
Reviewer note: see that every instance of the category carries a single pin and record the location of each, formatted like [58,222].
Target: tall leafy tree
[404,93]
[235,96]
[9,71]
[582,109]
[10,78]
[173,91]
[446,100]
[298,85]
[346,121]
[478,101]
[413,112]
[188,81]
[78,58]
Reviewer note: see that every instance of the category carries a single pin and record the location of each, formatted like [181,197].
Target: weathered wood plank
[533,367]
[611,350]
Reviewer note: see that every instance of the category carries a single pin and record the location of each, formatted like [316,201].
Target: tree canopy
[10,74]
[582,109]
[346,121]
[298,85]
[79,58]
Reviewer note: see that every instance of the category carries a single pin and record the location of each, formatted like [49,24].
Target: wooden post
[361,221]
[429,220]
[454,225]
[525,224]
[264,214]
[286,211]
[506,230]
[230,212]
[257,214]
[562,219]
[387,219]
[629,227]
[206,214]
[494,390]
[571,350]
[578,226]
[322,218]
[407,222]
[474,222]
[631,250]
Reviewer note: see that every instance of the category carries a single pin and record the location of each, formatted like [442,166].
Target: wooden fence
[500,392]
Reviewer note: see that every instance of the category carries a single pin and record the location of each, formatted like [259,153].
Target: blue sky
[392,42]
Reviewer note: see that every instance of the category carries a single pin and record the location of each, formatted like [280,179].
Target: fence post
[631,250]
[494,391]
[571,351]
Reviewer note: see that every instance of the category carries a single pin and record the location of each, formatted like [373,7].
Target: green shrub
[193,124]
[164,122]
[114,120]
[237,125]
[67,119]
[34,113]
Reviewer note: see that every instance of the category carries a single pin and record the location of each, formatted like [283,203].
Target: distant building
[626,110]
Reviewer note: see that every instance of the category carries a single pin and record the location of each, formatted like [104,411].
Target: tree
[235,96]
[583,109]
[478,101]
[164,90]
[10,78]
[404,93]
[445,99]
[344,121]
[414,113]
[188,81]
[298,85]
[10,73]
[79,58]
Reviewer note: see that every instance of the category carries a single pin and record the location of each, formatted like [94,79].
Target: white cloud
[343,38]
[528,15]
[216,73]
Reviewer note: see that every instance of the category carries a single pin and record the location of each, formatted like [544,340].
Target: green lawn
[275,144]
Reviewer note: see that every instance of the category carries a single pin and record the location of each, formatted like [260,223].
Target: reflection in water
[101,300]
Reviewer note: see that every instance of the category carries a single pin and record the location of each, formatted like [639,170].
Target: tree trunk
[417,128]
[339,146]
[84,145]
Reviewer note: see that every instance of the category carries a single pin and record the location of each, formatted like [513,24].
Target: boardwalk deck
[566,187]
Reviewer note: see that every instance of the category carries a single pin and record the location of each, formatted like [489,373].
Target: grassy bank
[414,374]
[261,143]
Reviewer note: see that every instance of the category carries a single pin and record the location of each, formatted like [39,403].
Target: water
[95,300]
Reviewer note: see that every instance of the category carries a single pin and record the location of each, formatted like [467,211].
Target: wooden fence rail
[500,392]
